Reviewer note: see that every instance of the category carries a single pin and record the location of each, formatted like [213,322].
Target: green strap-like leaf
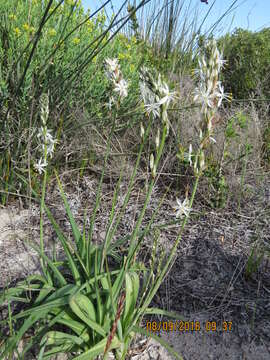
[12,343]
[56,272]
[42,309]
[61,237]
[75,229]
[98,349]
[59,338]
[85,310]
[132,291]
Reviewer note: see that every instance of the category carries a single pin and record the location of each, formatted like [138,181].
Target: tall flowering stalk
[119,87]
[209,94]
[156,97]
[119,84]
[47,144]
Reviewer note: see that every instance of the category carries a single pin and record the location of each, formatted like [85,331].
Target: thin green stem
[168,264]
[127,197]
[132,245]
[42,210]
[98,198]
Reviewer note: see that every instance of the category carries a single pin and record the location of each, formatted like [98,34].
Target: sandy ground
[205,266]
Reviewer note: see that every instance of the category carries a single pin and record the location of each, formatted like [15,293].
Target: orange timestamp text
[186,326]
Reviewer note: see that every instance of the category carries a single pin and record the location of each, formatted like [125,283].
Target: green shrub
[248,63]
[67,63]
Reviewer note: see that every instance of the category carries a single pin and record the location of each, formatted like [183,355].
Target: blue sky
[249,14]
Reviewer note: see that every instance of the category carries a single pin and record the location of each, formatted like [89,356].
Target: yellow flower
[52,32]
[230,97]
[90,25]
[121,56]
[132,67]
[17,31]
[122,37]
[101,18]
[70,2]
[104,41]
[76,41]
[133,40]
[26,27]
[12,17]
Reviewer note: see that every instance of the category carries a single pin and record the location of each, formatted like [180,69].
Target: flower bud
[142,130]
[152,160]
[157,139]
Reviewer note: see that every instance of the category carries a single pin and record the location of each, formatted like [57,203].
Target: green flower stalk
[48,145]
[209,94]
[156,98]
[120,85]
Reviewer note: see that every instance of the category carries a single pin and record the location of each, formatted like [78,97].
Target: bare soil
[213,280]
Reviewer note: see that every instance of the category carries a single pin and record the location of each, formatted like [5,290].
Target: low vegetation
[78,92]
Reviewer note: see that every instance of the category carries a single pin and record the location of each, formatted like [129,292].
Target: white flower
[110,103]
[204,96]
[182,208]
[41,131]
[47,139]
[45,134]
[121,87]
[221,95]
[148,96]
[40,166]
[153,108]
[167,96]
[50,146]
[112,64]
[219,61]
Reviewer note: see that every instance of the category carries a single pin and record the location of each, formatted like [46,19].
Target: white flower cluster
[44,135]
[156,97]
[209,94]
[154,93]
[114,74]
